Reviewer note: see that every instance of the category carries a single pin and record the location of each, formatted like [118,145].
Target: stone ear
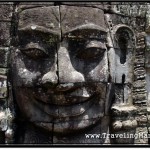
[123,31]
[122,51]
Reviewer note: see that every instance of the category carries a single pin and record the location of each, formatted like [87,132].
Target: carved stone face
[60,67]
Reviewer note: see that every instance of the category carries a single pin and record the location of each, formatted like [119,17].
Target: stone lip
[65,110]
[74,96]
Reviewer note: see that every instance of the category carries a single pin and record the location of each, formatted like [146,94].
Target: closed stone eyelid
[95,44]
[34,53]
[34,46]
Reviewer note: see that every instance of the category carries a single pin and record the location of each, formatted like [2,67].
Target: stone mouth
[64,98]
[64,111]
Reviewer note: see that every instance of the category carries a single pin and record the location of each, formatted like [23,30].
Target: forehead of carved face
[53,37]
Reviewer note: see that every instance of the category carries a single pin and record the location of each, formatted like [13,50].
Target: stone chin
[66,123]
[67,127]
[71,125]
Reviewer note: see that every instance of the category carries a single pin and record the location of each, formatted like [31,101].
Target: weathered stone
[36,19]
[119,94]
[3,86]
[117,125]
[120,56]
[148,19]
[73,17]
[90,63]
[147,62]
[42,35]
[6,10]
[139,61]
[36,4]
[139,84]
[141,135]
[114,19]
[127,94]
[132,10]
[109,97]
[5,33]
[147,86]
[139,73]
[137,24]
[142,110]
[129,124]
[4,53]
[147,43]
[11,115]
[3,71]
[81,69]
[5,117]
[141,120]
[124,110]
[98,135]
[76,69]
[139,97]
[112,67]
[139,90]
[3,97]
[85,4]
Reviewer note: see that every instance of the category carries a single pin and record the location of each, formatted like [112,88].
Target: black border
[74,1]
[74,145]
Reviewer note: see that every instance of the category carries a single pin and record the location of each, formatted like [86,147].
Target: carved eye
[34,51]
[90,53]
[92,50]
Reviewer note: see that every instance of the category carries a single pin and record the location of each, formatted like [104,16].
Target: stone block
[4,54]
[37,19]
[73,17]
[5,34]
[3,86]
[133,10]
[3,71]
[6,10]
[141,135]
[85,4]
[127,94]
[139,73]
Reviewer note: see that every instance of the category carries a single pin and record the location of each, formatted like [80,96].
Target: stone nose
[50,79]
[67,73]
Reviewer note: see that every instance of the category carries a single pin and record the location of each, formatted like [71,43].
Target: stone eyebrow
[36,28]
[89,26]
[87,32]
